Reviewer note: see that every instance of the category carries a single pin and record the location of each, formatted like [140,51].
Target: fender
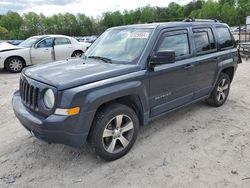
[103,95]
[223,64]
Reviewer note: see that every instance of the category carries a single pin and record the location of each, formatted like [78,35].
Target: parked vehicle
[89,39]
[15,42]
[128,77]
[39,49]
[248,23]
[237,31]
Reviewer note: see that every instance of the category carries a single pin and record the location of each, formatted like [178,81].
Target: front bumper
[68,130]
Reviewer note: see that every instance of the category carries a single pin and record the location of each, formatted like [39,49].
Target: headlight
[49,98]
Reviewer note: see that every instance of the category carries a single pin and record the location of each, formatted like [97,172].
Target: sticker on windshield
[138,35]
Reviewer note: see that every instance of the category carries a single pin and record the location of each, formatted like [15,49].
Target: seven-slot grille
[29,94]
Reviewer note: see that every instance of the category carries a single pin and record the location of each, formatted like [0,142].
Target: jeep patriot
[128,77]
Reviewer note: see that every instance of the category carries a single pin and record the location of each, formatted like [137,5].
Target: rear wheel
[77,54]
[15,64]
[114,131]
[220,92]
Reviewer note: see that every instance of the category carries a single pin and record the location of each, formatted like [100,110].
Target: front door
[172,85]
[42,52]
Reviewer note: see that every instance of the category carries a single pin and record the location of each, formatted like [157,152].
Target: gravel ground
[197,146]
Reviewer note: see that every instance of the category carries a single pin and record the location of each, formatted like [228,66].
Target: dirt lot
[197,146]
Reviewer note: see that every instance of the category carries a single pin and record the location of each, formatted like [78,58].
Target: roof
[53,35]
[170,24]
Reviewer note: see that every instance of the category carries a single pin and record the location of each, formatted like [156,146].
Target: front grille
[29,94]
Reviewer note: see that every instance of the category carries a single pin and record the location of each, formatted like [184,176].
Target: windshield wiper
[105,59]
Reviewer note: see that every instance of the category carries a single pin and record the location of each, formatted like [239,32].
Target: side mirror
[35,46]
[163,57]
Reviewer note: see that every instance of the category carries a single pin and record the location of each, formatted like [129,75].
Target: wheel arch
[78,50]
[132,101]
[6,60]
[229,71]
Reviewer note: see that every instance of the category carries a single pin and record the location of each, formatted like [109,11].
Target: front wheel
[15,64]
[114,131]
[220,92]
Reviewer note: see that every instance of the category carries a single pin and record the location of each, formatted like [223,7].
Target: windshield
[120,45]
[28,42]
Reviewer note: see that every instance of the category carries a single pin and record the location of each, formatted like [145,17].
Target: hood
[75,72]
[4,46]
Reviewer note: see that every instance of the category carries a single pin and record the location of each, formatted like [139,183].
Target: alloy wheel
[222,90]
[118,134]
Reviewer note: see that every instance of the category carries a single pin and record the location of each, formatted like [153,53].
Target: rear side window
[175,41]
[62,41]
[204,40]
[224,37]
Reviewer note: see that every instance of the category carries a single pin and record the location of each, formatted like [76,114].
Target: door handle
[188,66]
[216,58]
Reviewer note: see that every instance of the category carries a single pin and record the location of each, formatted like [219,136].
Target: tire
[15,64]
[115,125]
[220,92]
[77,54]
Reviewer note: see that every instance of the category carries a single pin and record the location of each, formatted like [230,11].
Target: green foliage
[3,32]
[14,26]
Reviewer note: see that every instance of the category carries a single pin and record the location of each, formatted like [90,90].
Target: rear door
[63,48]
[206,60]
[226,45]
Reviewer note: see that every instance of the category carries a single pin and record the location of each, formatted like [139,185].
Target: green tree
[233,12]
[147,14]
[174,10]
[3,33]
[12,21]
[211,10]
[85,25]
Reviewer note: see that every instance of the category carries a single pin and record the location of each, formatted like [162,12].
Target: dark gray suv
[129,76]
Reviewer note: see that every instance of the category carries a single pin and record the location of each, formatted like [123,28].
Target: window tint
[62,41]
[45,43]
[225,39]
[177,42]
[204,39]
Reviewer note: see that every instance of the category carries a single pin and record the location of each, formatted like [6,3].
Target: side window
[45,43]
[177,41]
[204,40]
[62,41]
[225,38]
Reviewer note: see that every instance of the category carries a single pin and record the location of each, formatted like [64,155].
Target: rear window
[224,37]
[204,40]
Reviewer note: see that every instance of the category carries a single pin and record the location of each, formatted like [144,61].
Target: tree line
[16,26]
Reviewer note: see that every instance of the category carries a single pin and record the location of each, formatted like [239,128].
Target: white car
[39,49]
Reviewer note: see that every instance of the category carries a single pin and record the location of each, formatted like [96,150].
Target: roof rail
[201,20]
[165,20]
